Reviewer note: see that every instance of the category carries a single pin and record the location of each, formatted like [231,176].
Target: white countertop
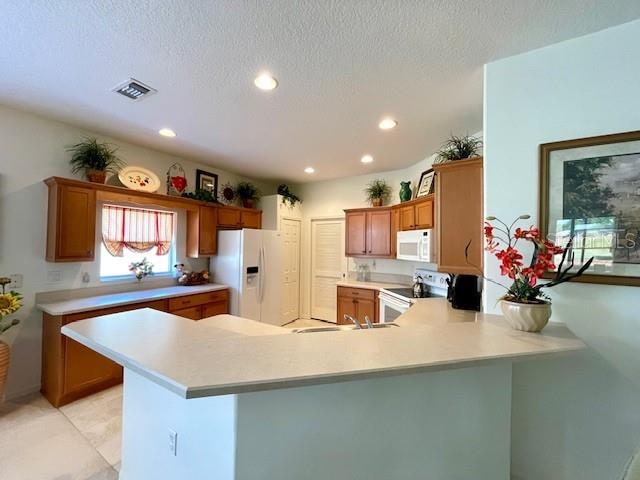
[125,298]
[370,285]
[197,359]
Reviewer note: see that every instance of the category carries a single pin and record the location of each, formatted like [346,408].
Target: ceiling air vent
[134,89]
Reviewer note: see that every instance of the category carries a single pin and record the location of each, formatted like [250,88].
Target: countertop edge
[47,307]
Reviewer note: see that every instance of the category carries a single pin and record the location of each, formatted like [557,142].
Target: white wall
[576,418]
[32,148]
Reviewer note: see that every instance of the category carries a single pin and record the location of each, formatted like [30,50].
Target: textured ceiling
[341,66]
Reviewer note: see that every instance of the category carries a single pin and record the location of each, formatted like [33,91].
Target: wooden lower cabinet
[71,371]
[357,302]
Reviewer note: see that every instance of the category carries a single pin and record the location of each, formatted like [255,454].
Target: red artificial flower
[510,260]
[531,276]
[488,230]
[532,234]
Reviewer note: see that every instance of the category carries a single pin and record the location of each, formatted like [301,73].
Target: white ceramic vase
[527,317]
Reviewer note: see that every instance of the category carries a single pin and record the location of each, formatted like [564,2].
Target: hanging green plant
[287,195]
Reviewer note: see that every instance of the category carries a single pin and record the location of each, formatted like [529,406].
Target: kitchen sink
[339,328]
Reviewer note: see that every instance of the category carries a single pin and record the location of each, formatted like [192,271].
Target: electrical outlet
[16,281]
[54,276]
[173,442]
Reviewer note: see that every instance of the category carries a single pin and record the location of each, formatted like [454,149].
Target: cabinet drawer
[363,293]
[160,305]
[197,299]
[194,313]
[211,309]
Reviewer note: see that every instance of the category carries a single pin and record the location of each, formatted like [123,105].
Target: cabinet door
[368,308]
[251,219]
[211,309]
[407,218]
[229,217]
[424,214]
[459,216]
[356,234]
[76,224]
[84,368]
[208,226]
[193,313]
[379,233]
[346,306]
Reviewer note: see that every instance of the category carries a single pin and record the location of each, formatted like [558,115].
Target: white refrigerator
[249,261]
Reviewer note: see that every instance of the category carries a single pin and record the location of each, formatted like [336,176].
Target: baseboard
[21,393]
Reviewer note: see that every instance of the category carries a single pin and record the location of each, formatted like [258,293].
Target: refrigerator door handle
[262,275]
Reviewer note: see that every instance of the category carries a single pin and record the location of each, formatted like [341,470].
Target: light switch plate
[173,442]
[54,276]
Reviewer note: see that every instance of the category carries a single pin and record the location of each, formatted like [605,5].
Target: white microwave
[416,246]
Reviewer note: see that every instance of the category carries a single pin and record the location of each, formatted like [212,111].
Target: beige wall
[32,148]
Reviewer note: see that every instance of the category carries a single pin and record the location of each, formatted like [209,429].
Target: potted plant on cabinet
[287,195]
[94,159]
[525,305]
[248,193]
[459,148]
[9,304]
[377,191]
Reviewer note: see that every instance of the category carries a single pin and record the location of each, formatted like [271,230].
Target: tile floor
[80,441]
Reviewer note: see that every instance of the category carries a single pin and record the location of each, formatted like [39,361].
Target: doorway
[328,266]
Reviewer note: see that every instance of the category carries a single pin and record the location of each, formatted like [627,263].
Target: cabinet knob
[364,251]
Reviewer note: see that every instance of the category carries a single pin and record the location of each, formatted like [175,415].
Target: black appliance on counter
[464,292]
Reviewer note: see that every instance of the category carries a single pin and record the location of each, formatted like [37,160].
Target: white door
[328,267]
[290,230]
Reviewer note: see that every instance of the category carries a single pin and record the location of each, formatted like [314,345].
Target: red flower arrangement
[502,241]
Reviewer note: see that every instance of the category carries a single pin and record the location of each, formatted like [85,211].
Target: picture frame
[207,181]
[589,189]
[426,183]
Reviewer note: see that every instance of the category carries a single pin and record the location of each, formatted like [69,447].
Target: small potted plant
[525,305]
[9,304]
[377,191]
[248,193]
[94,159]
[288,196]
[141,269]
[459,148]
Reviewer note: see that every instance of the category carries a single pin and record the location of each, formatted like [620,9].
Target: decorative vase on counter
[405,191]
[5,357]
[526,317]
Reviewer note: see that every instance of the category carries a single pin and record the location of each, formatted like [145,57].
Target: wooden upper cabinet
[71,223]
[416,214]
[368,232]
[424,214]
[202,230]
[459,216]
[356,233]
[236,218]
[379,233]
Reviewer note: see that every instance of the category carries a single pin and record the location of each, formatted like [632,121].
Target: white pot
[527,317]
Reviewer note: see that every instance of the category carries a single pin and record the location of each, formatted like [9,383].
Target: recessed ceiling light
[309,170]
[366,159]
[265,81]
[167,132]
[387,123]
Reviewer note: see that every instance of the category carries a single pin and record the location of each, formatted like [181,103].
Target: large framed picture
[207,181]
[590,191]
[425,186]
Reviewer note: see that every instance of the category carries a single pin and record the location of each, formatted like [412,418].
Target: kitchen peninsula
[219,399]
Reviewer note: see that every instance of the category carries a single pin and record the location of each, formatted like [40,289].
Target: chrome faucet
[369,324]
[351,319]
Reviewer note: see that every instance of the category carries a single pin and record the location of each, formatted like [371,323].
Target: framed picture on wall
[207,181]
[425,186]
[590,191]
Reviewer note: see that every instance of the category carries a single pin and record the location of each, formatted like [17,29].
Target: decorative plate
[138,178]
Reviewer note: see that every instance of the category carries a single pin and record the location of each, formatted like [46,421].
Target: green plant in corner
[95,159]
[459,148]
[248,193]
[287,196]
[377,191]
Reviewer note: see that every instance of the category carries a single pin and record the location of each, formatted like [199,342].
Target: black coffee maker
[464,292]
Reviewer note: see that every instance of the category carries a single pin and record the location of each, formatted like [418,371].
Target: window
[131,234]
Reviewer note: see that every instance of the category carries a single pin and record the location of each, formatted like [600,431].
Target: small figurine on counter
[187,278]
